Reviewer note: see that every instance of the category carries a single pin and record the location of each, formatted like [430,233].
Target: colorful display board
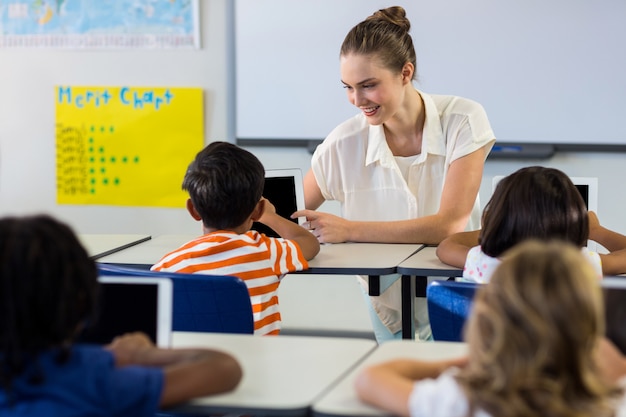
[126,146]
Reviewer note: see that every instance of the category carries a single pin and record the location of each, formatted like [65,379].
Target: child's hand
[268,209]
[128,347]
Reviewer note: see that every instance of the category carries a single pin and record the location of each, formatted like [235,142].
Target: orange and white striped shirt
[260,261]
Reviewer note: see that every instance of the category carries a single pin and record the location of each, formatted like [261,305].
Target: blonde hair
[531,336]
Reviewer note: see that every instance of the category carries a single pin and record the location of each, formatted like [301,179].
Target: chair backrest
[202,303]
[449,305]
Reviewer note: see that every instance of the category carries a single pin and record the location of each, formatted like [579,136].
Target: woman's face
[375,90]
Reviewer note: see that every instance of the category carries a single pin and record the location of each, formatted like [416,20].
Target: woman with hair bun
[407,168]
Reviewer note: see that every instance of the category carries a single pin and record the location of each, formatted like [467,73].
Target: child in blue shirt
[48,291]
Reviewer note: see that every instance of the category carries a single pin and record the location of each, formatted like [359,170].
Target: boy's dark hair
[533,202]
[225,183]
[48,287]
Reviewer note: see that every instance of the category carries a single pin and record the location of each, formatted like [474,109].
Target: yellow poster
[126,146]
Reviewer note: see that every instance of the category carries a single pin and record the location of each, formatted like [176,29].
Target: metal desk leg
[374,284]
[408,307]
[421,283]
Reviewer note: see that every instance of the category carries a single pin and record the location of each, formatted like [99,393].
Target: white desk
[342,400]
[100,245]
[361,258]
[426,263]
[147,253]
[333,259]
[282,375]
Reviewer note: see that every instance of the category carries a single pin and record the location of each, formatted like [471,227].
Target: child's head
[48,288]
[533,203]
[225,184]
[532,332]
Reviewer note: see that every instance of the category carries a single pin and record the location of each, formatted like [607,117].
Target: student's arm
[609,239]
[309,245]
[613,263]
[457,200]
[453,249]
[188,373]
[389,385]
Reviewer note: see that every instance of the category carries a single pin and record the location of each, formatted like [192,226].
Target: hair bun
[396,15]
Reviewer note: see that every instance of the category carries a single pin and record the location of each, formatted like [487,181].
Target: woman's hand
[327,227]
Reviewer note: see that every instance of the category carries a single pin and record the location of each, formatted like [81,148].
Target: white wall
[27,154]
[27,141]
[607,167]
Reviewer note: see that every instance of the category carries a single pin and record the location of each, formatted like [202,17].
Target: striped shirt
[260,261]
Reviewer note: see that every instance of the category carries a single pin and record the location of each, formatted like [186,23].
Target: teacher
[406,169]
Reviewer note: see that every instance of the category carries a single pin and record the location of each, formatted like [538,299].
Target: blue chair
[449,304]
[202,303]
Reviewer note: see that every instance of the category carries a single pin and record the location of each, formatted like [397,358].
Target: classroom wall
[27,123]
[27,153]
[606,166]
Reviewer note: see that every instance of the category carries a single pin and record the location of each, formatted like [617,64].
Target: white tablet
[284,188]
[128,304]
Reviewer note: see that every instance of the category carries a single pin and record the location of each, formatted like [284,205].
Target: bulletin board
[126,146]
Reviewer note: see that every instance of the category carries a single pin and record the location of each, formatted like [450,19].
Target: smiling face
[374,89]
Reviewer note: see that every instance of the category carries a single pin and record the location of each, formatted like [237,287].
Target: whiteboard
[545,71]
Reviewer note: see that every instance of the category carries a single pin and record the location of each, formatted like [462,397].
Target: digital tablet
[284,188]
[129,304]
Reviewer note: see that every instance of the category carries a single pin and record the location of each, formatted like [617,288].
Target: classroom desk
[371,259]
[425,263]
[341,399]
[415,271]
[100,245]
[333,259]
[282,375]
[148,253]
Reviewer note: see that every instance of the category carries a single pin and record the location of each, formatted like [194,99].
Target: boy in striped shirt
[225,186]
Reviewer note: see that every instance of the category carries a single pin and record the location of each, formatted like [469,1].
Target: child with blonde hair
[533,343]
